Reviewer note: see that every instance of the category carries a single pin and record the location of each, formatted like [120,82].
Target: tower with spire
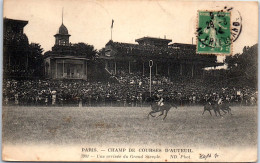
[63,62]
[62,36]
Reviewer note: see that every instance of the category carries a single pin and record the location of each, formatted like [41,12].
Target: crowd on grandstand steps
[139,79]
[127,49]
[75,92]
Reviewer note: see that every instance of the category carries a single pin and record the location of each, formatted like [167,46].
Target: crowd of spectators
[139,79]
[132,91]
[127,49]
[172,51]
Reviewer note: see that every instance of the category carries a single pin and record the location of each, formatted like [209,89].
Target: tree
[35,60]
[86,50]
[243,67]
[101,52]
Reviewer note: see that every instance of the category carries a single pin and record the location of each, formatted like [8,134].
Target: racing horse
[209,107]
[217,107]
[165,108]
[225,108]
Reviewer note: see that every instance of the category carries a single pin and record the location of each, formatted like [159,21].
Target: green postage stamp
[213,33]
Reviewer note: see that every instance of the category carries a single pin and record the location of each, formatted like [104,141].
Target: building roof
[15,22]
[182,44]
[153,38]
[58,56]
[130,46]
[63,30]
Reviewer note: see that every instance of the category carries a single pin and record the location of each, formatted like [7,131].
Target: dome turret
[62,36]
[63,30]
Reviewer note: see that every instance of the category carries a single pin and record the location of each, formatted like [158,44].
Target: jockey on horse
[156,101]
[160,101]
[159,105]
[217,104]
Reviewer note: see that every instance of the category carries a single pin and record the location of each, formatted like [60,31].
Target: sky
[90,21]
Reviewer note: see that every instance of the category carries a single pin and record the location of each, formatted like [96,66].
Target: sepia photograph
[130,81]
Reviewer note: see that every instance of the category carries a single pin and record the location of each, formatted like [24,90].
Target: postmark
[213,32]
[235,22]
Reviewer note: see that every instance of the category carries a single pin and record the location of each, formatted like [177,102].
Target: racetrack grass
[185,126]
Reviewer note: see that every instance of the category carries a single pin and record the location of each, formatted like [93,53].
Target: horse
[217,107]
[225,108]
[156,108]
[209,107]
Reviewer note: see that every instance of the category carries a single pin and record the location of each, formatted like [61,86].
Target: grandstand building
[172,60]
[15,42]
[62,62]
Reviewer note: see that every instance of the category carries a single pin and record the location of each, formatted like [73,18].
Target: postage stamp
[214,36]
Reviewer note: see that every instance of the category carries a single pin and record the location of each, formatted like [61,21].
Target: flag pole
[112,28]
[111,33]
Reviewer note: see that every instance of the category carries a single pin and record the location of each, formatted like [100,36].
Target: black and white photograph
[130,81]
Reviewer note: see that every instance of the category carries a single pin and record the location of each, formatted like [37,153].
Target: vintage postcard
[130,81]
